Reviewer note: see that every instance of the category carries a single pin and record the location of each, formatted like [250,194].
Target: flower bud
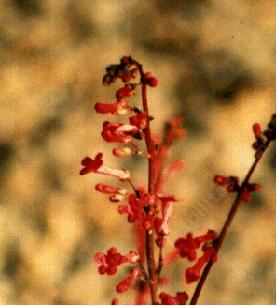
[257,130]
[254,187]
[115,301]
[122,152]
[149,79]
[245,195]
[106,108]
[220,180]
[116,198]
[106,188]
[126,283]
[124,92]
[139,120]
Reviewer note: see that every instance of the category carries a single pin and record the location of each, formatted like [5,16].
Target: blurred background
[215,62]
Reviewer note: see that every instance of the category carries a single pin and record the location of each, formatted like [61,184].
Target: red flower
[121,107]
[92,165]
[126,60]
[106,108]
[126,75]
[257,130]
[139,120]
[193,273]
[96,166]
[116,193]
[221,180]
[231,182]
[175,129]
[188,245]
[123,209]
[115,301]
[124,92]
[109,263]
[117,132]
[254,187]
[126,283]
[176,166]
[179,299]
[106,188]
[207,237]
[263,138]
[149,79]
[245,195]
[135,209]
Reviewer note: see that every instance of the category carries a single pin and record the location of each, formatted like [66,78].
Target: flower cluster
[150,210]
[232,185]
[264,137]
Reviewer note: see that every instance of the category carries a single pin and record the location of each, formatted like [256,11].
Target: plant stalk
[149,237]
[219,240]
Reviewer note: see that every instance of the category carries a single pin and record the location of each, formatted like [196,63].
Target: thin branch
[219,240]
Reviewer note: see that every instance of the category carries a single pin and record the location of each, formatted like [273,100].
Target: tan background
[215,62]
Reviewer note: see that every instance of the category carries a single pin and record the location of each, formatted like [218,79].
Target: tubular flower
[257,130]
[124,92]
[161,224]
[193,273]
[179,299]
[138,209]
[106,188]
[120,108]
[135,209]
[109,262]
[96,166]
[116,194]
[118,132]
[139,120]
[188,245]
[174,129]
[127,282]
[149,79]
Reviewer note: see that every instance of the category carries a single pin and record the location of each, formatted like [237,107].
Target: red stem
[219,240]
[149,238]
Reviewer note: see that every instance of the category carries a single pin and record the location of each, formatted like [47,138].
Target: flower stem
[149,237]
[219,240]
[160,263]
